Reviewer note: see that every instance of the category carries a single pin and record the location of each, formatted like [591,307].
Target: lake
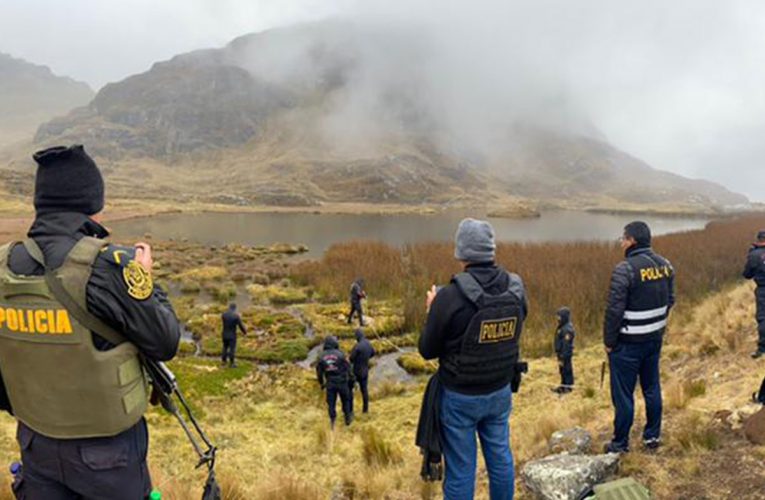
[320,231]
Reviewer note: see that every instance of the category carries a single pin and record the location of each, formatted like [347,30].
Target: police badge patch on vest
[497,330]
[138,280]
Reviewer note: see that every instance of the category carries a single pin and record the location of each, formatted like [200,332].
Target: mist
[679,85]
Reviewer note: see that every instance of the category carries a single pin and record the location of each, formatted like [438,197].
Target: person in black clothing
[357,295]
[231,322]
[360,355]
[755,270]
[639,302]
[564,349]
[473,328]
[69,196]
[334,374]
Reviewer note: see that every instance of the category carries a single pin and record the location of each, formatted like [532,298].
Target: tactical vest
[59,384]
[647,309]
[489,350]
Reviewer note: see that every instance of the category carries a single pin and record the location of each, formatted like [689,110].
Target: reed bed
[556,274]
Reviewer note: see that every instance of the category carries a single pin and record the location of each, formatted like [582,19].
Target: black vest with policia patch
[489,350]
[648,304]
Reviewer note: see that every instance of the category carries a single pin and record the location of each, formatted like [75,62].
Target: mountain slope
[32,94]
[338,112]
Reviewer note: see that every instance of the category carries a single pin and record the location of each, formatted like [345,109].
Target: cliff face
[324,112]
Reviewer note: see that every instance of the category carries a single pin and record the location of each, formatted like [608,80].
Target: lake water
[319,232]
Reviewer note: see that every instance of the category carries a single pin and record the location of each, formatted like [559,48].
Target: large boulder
[567,477]
[576,441]
[754,428]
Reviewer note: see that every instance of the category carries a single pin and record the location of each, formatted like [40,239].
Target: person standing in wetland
[334,375]
[755,270]
[357,294]
[639,302]
[231,322]
[360,355]
[77,314]
[564,350]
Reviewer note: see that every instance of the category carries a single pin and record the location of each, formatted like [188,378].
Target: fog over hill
[360,111]
[32,94]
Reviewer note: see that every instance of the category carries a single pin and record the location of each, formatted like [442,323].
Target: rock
[754,428]
[567,477]
[576,441]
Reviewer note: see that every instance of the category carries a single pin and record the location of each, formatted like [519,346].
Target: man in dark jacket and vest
[360,355]
[639,302]
[75,315]
[334,374]
[232,322]
[755,270]
[473,328]
[564,350]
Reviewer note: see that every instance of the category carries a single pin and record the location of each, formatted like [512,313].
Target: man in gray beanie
[473,328]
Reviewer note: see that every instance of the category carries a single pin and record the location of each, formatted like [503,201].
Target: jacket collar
[637,250]
[71,224]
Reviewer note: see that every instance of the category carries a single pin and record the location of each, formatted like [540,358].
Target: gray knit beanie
[474,241]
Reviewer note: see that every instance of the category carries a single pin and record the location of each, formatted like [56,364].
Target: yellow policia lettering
[497,330]
[655,273]
[39,321]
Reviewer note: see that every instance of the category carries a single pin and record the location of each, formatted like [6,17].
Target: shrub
[377,451]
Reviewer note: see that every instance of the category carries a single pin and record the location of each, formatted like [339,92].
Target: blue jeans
[462,416]
[628,363]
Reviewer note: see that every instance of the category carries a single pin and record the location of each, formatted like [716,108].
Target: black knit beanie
[68,180]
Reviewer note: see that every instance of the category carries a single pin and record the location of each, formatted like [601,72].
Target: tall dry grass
[556,274]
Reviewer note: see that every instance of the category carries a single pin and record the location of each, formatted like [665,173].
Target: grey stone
[576,441]
[567,477]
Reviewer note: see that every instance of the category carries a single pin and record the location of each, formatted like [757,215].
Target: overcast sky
[680,84]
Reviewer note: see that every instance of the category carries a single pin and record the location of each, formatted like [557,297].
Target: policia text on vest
[34,321]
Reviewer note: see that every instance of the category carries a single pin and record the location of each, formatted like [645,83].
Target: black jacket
[450,314]
[564,336]
[357,292]
[755,265]
[231,321]
[150,324]
[428,437]
[641,284]
[333,367]
[360,355]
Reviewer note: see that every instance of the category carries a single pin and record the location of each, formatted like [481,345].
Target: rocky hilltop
[32,94]
[333,112]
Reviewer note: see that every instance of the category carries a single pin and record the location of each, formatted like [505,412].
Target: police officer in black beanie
[108,293]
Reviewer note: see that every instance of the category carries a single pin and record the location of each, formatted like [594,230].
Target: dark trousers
[566,368]
[344,391]
[760,300]
[363,381]
[229,350]
[356,309]
[630,362]
[84,469]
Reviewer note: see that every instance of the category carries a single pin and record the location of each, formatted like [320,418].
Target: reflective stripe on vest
[657,316]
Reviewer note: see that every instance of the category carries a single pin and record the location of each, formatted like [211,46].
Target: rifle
[165,391]
[602,374]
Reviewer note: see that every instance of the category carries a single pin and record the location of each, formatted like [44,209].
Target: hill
[31,95]
[331,112]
